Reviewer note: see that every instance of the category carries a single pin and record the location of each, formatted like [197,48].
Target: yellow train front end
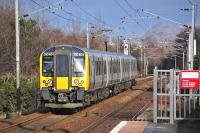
[64,76]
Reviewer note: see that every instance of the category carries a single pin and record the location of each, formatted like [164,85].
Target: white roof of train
[91,51]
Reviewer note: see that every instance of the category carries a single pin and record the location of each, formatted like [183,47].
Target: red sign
[189,79]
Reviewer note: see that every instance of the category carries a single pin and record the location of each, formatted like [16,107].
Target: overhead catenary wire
[130,6]
[114,30]
[122,8]
[48,9]
[44,8]
[89,14]
[189,1]
[68,13]
[86,12]
[164,18]
[58,15]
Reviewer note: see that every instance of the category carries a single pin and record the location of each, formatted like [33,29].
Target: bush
[26,94]
[8,99]
[8,93]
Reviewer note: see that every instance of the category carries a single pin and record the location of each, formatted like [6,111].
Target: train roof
[107,53]
[92,51]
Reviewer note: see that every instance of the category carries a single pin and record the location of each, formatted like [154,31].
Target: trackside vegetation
[8,95]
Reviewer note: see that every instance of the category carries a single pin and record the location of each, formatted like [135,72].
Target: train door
[62,71]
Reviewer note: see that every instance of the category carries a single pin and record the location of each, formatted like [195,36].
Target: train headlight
[50,81]
[76,81]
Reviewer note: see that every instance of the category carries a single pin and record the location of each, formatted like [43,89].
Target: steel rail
[108,115]
[8,128]
[73,118]
[141,110]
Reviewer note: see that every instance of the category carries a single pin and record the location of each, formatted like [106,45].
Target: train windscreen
[47,68]
[78,66]
[62,66]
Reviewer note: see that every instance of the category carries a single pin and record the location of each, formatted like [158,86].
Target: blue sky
[111,13]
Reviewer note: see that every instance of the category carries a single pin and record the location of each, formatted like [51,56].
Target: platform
[148,127]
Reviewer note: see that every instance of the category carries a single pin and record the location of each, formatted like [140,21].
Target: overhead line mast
[17,33]
[191,40]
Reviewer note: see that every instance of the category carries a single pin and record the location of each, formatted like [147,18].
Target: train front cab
[69,78]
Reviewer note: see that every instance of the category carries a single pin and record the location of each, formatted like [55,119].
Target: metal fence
[170,102]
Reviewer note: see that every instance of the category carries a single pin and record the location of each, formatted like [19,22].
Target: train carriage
[73,77]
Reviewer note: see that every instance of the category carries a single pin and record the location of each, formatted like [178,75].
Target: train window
[115,66]
[127,66]
[47,67]
[111,66]
[97,67]
[118,66]
[99,64]
[61,65]
[78,66]
[124,66]
[104,67]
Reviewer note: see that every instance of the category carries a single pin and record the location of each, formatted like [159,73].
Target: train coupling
[62,97]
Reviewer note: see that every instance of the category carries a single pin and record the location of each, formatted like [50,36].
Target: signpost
[189,79]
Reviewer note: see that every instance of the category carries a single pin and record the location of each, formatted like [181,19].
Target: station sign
[189,79]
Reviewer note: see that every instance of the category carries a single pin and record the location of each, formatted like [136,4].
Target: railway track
[91,117]
[77,121]
[101,122]
[23,123]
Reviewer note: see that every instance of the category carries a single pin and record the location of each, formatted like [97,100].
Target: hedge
[8,95]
